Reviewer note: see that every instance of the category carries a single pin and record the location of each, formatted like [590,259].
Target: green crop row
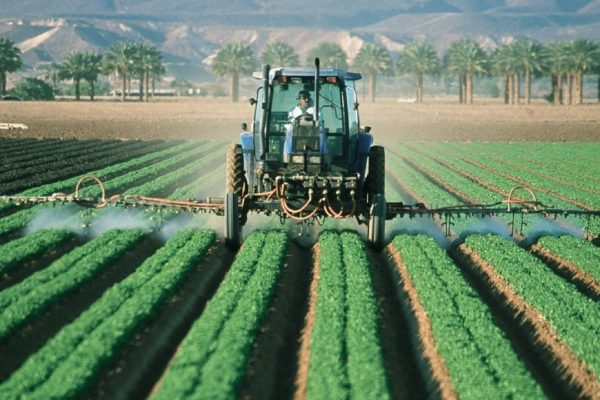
[535,180]
[27,299]
[19,251]
[213,357]
[198,166]
[345,353]
[22,218]
[479,193]
[566,159]
[579,252]
[67,364]
[68,185]
[478,355]
[458,183]
[425,189]
[575,317]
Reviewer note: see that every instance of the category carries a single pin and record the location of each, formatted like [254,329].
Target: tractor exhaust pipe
[263,122]
[317,74]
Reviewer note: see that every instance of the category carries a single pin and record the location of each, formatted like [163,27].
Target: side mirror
[355,106]
[252,101]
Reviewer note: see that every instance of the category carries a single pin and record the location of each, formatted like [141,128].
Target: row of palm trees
[125,59]
[564,62]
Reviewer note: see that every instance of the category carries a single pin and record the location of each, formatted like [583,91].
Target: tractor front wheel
[233,229]
[375,182]
[376,230]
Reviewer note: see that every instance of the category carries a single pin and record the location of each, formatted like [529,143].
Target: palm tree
[180,84]
[119,59]
[556,58]
[330,55]
[234,59]
[10,61]
[372,60]
[74,67]
[465,59]
[146,60]
[280,54]
[584,55]
[93,67]
[52,76]
[530,59]
[419,59]
[502,64]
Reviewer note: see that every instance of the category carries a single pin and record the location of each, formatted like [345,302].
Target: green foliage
[330,56]
[418,58]
[575,317]
[27,299]
[478,355]
[212,359]
[345,351]
[19,251]
[10,61]
[33,89]
[577,251]
[279,54]
[69,362]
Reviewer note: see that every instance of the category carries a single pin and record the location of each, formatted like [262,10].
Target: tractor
[312,166]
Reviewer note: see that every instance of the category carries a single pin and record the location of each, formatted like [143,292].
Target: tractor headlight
[314,159]
[299,159]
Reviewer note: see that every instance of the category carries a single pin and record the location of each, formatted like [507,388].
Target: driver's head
[303,97]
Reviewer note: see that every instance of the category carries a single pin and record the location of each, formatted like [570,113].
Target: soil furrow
[400,358]
[274,362]
[301,378]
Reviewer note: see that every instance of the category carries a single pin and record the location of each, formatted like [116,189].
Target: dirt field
[210,118]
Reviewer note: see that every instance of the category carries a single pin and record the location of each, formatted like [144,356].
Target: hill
[189,32]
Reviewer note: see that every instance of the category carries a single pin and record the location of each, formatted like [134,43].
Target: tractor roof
[277,72]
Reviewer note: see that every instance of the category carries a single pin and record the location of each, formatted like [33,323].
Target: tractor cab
[326,140]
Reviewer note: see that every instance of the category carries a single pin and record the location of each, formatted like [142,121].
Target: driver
[304,108]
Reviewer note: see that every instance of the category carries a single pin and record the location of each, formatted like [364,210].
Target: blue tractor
[308,166]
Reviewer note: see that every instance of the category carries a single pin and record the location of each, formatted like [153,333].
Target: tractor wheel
[375,182]
[377,214]
[233,230]
[235,181]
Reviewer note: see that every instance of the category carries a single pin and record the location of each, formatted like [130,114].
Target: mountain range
[190,32]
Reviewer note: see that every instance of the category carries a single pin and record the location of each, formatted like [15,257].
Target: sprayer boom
[268,203]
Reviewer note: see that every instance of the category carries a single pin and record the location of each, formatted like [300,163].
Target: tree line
[564,62]
[125,59]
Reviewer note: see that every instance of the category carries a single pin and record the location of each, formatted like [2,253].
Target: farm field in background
[129,303]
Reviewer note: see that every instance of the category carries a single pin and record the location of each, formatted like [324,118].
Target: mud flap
[233,230]
[377,214]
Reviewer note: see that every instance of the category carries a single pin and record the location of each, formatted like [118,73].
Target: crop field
[147,303]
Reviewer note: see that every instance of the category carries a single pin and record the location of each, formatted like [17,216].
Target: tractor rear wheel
[235,181]
[375,182]
[236,188]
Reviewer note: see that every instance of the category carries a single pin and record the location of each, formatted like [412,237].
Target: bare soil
[438,380]
[200,118]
